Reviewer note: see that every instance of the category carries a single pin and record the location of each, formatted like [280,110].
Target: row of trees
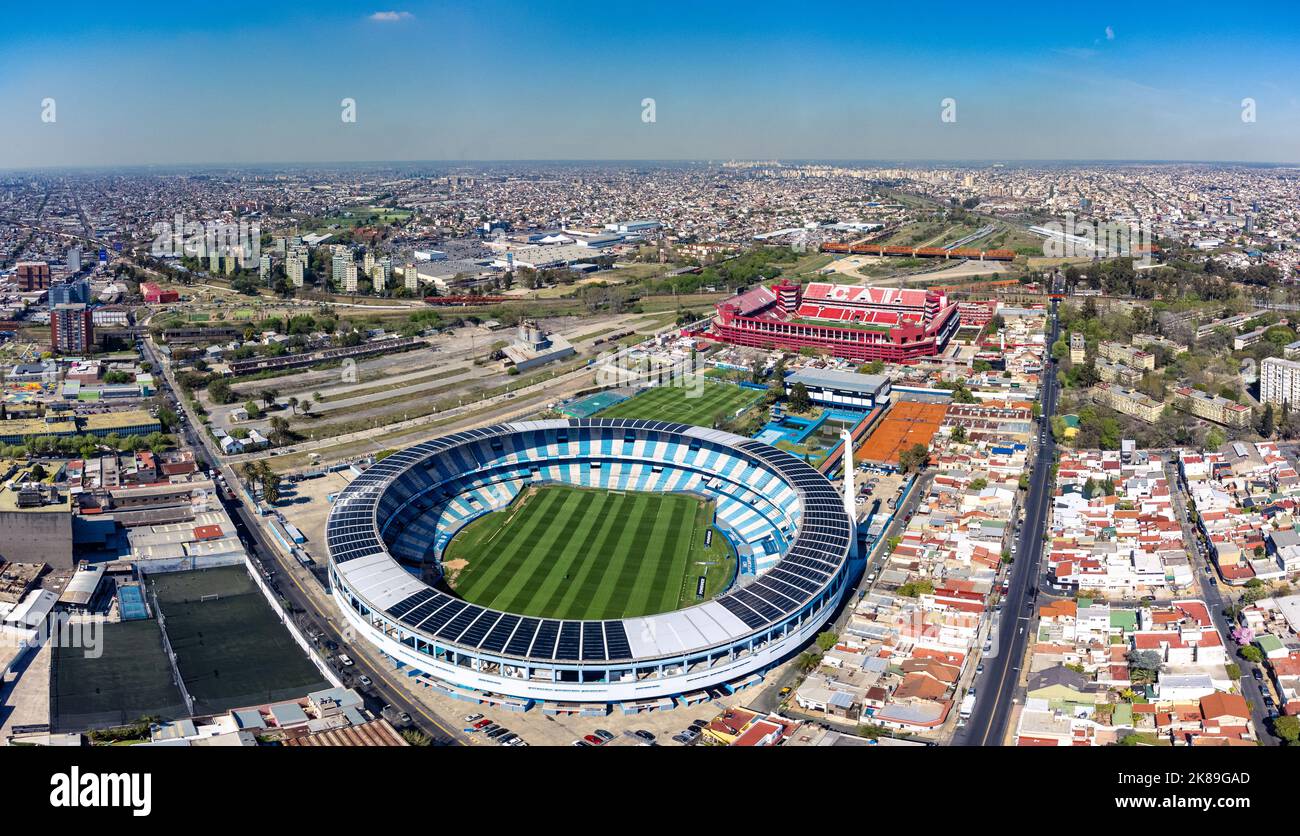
[258,474]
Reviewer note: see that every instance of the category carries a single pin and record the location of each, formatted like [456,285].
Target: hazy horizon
[265,84]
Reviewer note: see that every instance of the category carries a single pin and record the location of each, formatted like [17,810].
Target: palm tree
[293,405]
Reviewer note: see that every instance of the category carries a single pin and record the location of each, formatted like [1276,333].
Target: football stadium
[595,560]
[852,321]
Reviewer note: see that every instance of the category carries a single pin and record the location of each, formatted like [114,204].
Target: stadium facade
[401,513]
[851,321]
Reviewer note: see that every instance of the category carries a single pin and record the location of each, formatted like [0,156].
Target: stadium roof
[809,566]
[833,379]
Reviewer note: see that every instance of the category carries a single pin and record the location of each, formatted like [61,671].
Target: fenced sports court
[231,649]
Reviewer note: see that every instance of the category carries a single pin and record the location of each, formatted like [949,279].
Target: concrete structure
[534,347]
[417,498]
[72,329]
[860,323]
[1279,381]
[35,526]
[1128,401]
[32,276]
[1214,408]
[1078,348]
[1117,373]
[843,389]
[1126,354]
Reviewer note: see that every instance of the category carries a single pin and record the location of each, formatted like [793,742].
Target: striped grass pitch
[674,403]
[577,553]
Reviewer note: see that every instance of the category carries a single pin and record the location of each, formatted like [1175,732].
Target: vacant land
[564,552]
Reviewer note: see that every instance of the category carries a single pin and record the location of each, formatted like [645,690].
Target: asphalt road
[996,687]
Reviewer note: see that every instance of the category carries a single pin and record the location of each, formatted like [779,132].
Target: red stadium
[859,323]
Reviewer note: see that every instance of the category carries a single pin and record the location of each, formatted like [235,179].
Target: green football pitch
[676,403]
[564,552]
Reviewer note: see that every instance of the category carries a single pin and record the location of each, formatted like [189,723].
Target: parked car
[482,724]
[365,681]
[346,660]
[472,718]
[645,735]
[507,740]
[579,743]
[593,740]
[501,732]
[604,735]
[1255,672]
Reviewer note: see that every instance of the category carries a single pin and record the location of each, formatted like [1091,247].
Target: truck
[967,707]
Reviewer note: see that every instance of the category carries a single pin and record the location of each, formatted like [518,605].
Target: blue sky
[240,82]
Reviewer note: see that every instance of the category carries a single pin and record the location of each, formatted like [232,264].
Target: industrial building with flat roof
[843,389]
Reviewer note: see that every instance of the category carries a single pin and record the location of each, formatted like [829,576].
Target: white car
[346,660]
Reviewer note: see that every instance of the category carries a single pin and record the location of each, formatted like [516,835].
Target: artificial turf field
[578,553]
[676,403]
[130,679]
[231,649]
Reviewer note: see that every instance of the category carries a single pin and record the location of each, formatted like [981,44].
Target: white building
[1279,381]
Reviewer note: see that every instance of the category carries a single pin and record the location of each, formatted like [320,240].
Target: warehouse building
[843,389]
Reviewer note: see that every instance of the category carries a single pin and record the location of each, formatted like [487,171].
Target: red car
[593,740]
[481,723]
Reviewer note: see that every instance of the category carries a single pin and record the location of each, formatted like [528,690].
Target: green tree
[798,398]
[913,458]
[220,392]
[1288,728]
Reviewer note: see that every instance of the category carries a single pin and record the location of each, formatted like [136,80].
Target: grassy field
[232,651]
[675,403]
[563,552]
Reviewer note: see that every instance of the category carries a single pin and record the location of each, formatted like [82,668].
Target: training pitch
[715,402]
[577,553]
[231,648]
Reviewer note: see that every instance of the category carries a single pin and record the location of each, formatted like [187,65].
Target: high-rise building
[32,276]
[382,273]
[74,259]
[1279,381]
[71,329]
[293,267]
[350,277]
[264,268]
[339,265]
[411,277]
[71,292]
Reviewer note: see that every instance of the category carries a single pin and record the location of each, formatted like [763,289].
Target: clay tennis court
[905,424]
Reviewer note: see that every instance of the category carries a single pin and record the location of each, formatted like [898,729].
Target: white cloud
[391,17]
[1110,33]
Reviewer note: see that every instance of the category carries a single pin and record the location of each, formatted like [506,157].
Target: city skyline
[503,82]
